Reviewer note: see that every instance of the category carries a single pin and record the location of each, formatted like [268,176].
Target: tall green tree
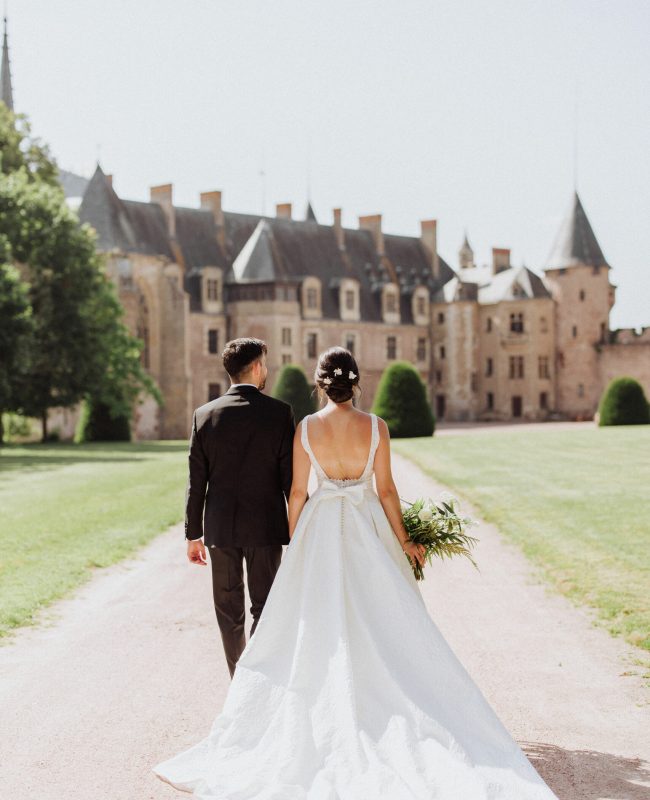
[80,346]
[15,330]
[292,387]
[401,401]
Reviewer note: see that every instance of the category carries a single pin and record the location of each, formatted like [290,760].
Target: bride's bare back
[340,439]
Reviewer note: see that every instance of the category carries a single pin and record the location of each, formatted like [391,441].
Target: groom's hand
[196,551]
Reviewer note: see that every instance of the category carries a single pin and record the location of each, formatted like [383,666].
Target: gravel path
[130,670]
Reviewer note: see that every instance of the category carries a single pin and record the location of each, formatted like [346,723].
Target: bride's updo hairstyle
[333,374]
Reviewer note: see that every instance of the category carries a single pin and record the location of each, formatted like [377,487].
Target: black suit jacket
[241,452]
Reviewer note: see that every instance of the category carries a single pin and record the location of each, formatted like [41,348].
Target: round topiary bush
[624,403]
[292,387]
[401,401]
[97,425]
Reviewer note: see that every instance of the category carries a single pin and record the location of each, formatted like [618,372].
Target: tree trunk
[44,425]
[2,430]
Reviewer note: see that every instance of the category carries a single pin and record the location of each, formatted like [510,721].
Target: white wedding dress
[347,690]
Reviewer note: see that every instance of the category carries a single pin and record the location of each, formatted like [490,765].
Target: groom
[240,450]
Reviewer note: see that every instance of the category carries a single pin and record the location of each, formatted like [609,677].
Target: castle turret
[465,254]
[577,273]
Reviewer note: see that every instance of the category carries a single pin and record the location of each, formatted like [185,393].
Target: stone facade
[495,342]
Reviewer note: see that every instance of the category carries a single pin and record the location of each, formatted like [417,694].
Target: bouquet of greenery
[440,528]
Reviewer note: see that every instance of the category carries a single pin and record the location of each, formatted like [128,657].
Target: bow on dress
[353,491]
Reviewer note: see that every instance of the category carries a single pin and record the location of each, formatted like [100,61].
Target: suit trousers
[262,563]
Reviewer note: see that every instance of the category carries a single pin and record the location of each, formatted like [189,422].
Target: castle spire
[576,241]
[465,254]
[6,92]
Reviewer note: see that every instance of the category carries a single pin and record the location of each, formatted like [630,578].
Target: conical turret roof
[576,241]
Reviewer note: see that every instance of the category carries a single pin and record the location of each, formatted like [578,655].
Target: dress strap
[304,439]
[374,442]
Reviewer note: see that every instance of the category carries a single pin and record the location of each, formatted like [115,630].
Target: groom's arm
[286,451]
[197,483]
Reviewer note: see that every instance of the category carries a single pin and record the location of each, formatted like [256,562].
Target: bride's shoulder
[382,427]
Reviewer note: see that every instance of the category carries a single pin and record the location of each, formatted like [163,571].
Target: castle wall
[499,343]
[584,298]
[266,319]
[629,357]
[455,343]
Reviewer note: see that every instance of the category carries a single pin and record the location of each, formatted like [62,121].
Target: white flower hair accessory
[327,380]
[351,375]
[338,371]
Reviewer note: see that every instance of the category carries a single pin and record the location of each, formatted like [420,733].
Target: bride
[347,690]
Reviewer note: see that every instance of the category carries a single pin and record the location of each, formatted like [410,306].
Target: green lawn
[577,501]
[67,508]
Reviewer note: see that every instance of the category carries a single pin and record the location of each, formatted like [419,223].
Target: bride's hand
[414,550]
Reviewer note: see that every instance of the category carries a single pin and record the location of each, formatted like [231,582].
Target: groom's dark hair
[239,354]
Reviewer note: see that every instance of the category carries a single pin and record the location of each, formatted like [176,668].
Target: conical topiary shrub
[624,403]
[401,401]
[97,425]
[292,387]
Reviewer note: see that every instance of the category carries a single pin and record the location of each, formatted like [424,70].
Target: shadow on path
[589,775]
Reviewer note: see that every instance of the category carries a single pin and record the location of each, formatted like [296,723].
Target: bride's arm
[388,496]
[300,480]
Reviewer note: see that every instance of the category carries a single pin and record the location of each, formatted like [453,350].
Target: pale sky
[458,110]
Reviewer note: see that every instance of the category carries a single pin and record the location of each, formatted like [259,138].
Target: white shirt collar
[244,384]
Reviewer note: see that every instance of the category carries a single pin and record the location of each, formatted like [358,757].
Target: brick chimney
[109,180]
[372,223]
[283,210]
[212,202]
[338,228]
[163,196]
[500,259]
[429,239]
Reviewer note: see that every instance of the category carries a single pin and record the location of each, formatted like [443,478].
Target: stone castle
[491,342]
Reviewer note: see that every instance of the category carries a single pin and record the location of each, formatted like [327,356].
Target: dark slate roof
[259,259]
[123,224]
[268,248]
[196,234]
[575,242]
[73,185]
[258,248]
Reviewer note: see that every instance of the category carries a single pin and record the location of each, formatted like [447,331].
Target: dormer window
[390,303]
[211,290]
[420,306]
[349,306]
[311,298]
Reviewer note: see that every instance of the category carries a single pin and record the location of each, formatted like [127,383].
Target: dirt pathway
[130,670]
